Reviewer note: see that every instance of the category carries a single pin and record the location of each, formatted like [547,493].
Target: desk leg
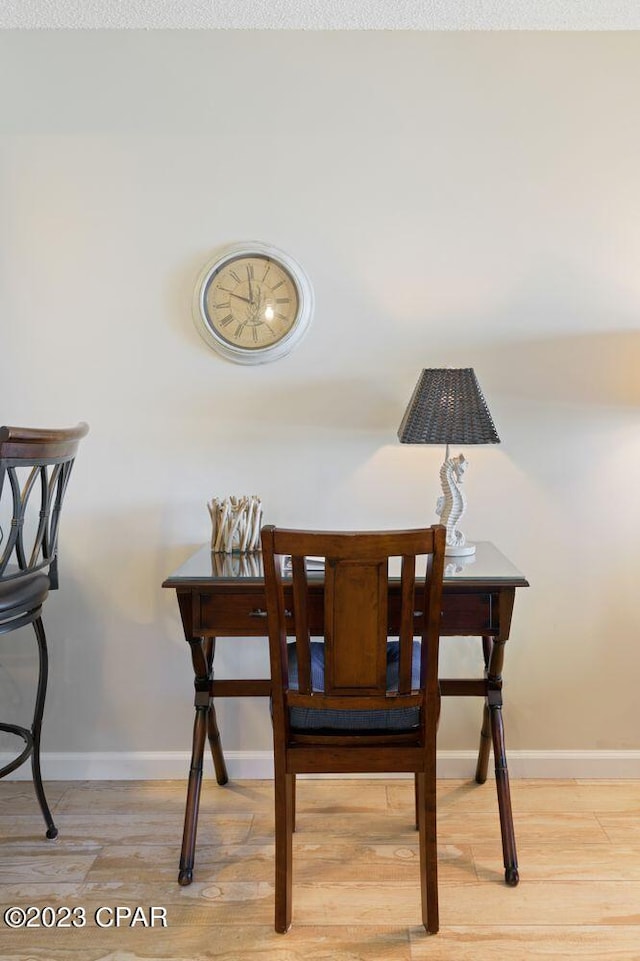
[504,797]
[493,731]
[482,766]
[213,733]
[205,723]
[187,854]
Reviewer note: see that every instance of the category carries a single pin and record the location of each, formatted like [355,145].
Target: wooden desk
[223,596]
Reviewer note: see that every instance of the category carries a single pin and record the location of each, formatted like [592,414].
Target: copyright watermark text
[107,916]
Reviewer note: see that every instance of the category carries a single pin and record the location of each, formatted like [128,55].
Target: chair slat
[407,592]
[13,533]
[356,597]
[301,616]
[46,497]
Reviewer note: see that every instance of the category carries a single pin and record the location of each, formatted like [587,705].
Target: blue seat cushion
[312,719]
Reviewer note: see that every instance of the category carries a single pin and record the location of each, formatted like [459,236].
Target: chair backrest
[356,616]
[35,466]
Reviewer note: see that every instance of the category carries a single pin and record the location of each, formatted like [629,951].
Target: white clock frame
[256,355]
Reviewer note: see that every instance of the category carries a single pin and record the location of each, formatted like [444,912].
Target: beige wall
[457,199]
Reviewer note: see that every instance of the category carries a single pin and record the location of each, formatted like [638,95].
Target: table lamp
[447,407]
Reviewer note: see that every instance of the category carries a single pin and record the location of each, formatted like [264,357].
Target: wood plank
[533,942]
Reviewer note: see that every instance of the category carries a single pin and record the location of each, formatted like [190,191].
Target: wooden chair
[356,702]
[34,472]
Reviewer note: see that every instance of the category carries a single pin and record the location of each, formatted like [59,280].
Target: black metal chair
[34,472]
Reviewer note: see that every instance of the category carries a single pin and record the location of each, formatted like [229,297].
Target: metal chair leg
[36,727]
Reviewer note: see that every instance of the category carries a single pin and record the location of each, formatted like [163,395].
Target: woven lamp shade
[447,407]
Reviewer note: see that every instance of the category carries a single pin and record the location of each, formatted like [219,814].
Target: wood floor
[356,895]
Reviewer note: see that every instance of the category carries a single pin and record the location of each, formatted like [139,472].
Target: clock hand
[250,287]
[246,299]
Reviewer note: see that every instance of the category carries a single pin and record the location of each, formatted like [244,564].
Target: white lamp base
[465,551]
[452,504]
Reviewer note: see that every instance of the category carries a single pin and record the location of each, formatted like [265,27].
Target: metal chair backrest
[35,466]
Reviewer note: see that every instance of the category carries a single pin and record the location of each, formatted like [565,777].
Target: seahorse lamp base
[455,550]
[452,504]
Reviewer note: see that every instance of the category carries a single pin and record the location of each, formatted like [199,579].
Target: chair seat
[21,594]
[311,719]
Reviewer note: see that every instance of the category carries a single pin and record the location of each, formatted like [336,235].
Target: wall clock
[253,303]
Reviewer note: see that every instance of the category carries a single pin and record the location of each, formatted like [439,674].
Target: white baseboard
[258,765]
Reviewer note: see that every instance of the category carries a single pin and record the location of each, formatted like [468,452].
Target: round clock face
[253,303]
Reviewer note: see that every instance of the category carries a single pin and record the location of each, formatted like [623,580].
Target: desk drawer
[229,614]
[245,613]
[464,613]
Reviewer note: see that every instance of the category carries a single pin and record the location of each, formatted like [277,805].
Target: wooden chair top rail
[353,545]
